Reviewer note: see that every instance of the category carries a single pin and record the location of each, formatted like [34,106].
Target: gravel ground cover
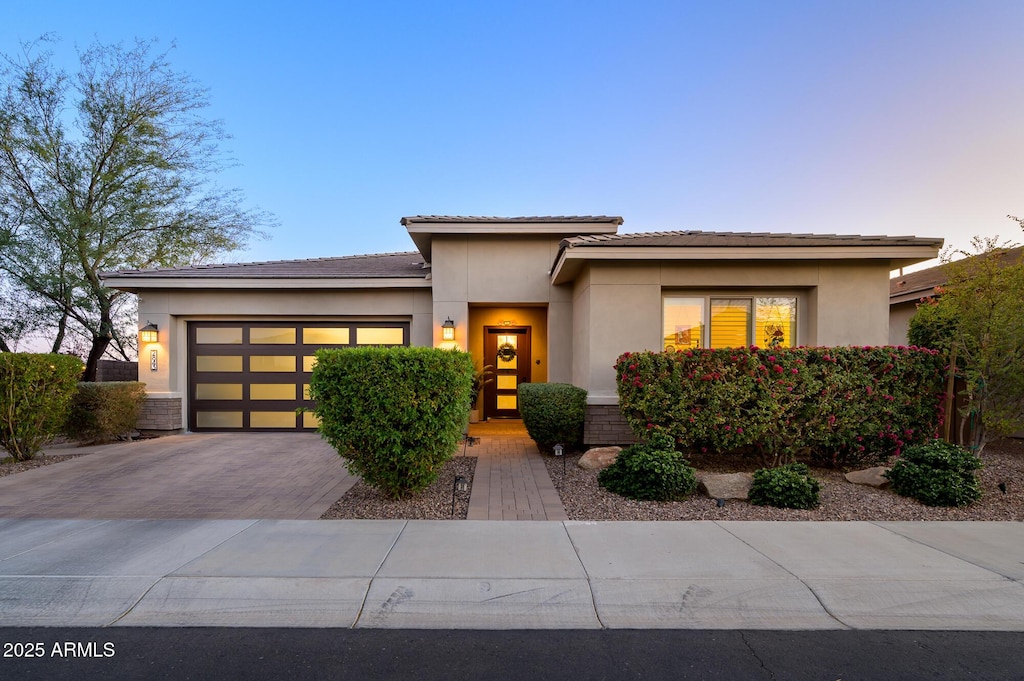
[9,466]
[433,503]
[585,499]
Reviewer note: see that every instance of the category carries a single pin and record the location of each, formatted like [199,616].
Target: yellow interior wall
[534,317]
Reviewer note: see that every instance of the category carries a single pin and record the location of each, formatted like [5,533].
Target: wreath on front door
[506,352]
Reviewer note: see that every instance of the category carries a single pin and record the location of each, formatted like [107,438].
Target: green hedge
[553,413]
[101,412]
[395,414]
[35,394]
[836,406]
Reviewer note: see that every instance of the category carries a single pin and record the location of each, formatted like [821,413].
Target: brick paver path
[511,481]
[210,475]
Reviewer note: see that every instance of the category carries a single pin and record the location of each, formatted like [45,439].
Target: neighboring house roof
[407,267]
[700,245]
[913,286]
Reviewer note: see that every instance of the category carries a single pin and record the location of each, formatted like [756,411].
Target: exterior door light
[148,333]
[448,330]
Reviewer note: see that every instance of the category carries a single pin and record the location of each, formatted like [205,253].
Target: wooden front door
[507,349]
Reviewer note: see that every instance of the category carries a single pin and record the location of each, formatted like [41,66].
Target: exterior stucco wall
[853,303]
[899,321]
[618,306]
[473,274]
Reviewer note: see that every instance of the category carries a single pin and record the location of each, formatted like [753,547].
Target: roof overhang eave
[570,260]
[138,283]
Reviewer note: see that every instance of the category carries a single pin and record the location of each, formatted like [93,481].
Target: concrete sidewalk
[488,575]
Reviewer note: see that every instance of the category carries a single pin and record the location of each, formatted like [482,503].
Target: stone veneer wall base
[605,425]
[161,415]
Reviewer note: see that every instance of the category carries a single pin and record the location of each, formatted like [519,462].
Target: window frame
[706,296]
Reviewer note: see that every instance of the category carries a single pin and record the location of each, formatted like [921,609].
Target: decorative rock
[872,477]
[726,485]
[599,457]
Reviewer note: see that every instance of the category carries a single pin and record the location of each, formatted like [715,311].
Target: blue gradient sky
[893,117]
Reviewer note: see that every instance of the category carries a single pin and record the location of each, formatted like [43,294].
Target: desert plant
[789,486]
[553,413]
[481,377]
[101,412]
[35,393]
[394,414]
[937,473]
[650,471]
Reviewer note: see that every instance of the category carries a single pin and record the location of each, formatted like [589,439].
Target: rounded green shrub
[553,413]
[651,471]
[101,412]
[937,473]
[789,486]
[395,414]
[35,393]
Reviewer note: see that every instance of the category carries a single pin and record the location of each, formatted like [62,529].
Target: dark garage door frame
[250,376]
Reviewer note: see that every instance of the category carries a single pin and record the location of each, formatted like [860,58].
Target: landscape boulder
[873,477]
[599,457]
[726,485]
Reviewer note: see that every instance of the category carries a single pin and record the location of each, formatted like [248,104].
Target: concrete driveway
[209,475]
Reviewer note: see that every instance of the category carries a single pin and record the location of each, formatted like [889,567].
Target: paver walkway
[511,481]
[258,475]
[210,476]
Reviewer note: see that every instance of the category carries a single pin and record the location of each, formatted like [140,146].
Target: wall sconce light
[448,330]
[148,333]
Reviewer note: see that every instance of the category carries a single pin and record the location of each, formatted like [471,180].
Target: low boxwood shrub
[788,486]
[839,406]
[35,394]
[650,471]
[101,412]
[553,413]
[395,414]
[937,473]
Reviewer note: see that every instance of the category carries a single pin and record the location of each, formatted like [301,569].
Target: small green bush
[395,414]
[789,486]
[937,473]
[651,471]
[101,412]
[553,413]
[35,393]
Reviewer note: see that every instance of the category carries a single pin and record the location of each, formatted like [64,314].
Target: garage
[254,376]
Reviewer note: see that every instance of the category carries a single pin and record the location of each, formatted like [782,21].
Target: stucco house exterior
[560,297]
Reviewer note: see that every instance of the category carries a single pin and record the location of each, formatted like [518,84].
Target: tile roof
[379,265]
[922,282]
[535,219]
[697,238]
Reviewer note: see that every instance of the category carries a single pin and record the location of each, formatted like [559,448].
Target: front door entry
[507,349]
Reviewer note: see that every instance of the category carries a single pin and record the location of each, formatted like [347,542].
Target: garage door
[255,375]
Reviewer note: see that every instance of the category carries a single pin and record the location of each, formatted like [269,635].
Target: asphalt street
[426,655]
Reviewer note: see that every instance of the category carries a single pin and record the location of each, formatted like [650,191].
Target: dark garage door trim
[249,376]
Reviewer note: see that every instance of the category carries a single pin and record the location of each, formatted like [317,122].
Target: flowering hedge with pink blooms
[840,406]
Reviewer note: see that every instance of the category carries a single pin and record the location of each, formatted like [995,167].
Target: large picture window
[729,321]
